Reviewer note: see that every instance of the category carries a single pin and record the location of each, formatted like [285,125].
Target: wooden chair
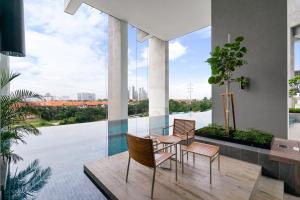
[185,130]
[141,150]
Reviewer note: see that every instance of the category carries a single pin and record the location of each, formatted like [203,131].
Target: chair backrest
[181,126]
[141,150]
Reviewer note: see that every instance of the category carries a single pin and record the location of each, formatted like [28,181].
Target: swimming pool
[66,148]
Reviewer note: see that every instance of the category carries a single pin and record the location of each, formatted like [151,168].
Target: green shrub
[253,136]
[250,136]
[294,110]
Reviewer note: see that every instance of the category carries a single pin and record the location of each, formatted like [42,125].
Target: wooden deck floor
[236,181]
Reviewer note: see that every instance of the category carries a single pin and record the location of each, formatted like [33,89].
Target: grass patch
[42,123]
[250,137]
[294,110]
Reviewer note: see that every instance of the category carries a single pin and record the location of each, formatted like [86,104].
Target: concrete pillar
[4,66]
[117,69]
[158,77]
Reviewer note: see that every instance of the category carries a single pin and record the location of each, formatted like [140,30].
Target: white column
[158,77]
[4,66]
[117,69]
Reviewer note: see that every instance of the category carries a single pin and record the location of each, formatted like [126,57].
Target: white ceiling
[165,19]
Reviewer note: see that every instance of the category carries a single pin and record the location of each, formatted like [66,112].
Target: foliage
[71,115]
[138,107]
[253,136]
[249,136]
[294,85]
[294,110]
[13,111]
[26,183]
[224,61]
[178,106]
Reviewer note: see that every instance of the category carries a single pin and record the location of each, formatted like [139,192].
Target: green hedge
[294,110]
[251,137]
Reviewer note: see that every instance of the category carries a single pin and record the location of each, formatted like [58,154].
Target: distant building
[64,98]
[142,94]
[134,94]
[49,97]
[85,96]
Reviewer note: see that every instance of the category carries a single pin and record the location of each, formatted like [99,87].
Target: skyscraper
[85,96]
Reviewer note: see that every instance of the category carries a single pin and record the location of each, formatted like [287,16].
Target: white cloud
[65,54]
[176,50]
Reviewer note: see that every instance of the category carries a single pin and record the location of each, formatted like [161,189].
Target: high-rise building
[85,96]
[142,94]
[137,94]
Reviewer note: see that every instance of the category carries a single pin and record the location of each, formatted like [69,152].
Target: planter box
[282,169]
[227,139]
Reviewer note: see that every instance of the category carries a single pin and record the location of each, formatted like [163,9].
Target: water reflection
[117,136]
[117,130]
[25,184]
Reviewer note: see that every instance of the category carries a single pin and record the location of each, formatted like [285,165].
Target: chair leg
[128,168]
[219,162]
[194,158]
[181,153]
[153,180]
[176,162]
[209,171]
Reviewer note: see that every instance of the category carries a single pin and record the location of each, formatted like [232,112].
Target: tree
[294,85]
[13,111]
[224,61]
[26,183]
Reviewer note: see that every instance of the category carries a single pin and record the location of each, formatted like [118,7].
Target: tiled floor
[290,197]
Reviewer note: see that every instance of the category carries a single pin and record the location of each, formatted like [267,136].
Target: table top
[169,139]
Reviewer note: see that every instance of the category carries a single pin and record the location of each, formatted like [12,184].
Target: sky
[67,54]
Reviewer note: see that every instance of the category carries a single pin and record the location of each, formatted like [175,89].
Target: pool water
[65,149]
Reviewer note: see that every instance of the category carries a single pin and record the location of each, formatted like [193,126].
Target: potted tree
[224,61]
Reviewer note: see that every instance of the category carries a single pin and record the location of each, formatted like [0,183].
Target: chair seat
[161,157]
[202,149]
